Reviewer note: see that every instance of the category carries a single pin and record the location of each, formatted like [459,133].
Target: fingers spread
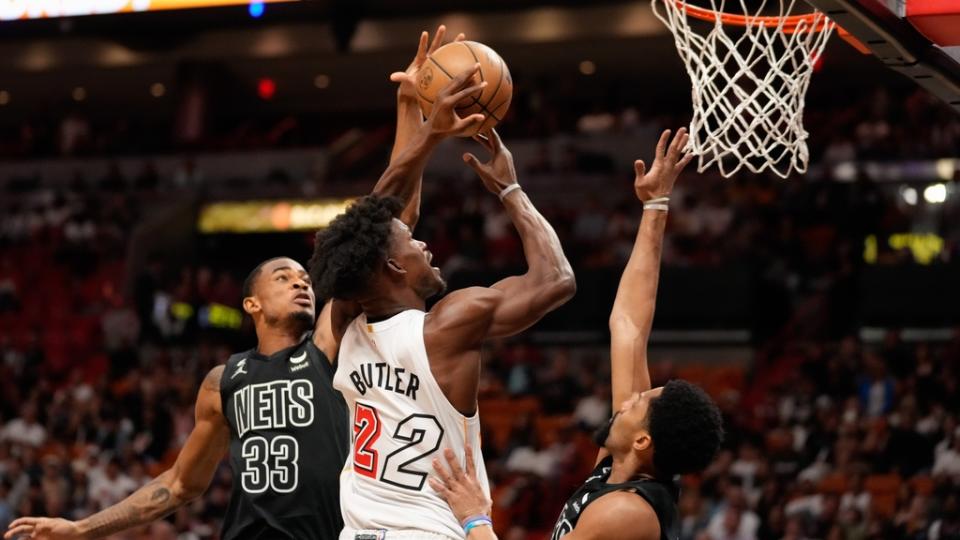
[484,140]
[437,38]
[662,143]
[454,464]
[18,530]
[422,47]
[471,470]
[439,488]
[677,145]
[467,91]
[472,161]
[639,167]
[495,140]
[441,471]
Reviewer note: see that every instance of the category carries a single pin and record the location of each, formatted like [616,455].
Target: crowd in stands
[827,436]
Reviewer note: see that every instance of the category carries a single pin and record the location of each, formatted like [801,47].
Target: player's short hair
[346,253]
[686,428]
[247,289]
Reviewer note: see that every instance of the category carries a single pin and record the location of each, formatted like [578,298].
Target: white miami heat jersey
[401,421]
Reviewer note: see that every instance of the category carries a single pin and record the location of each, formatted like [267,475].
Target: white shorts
[382,534]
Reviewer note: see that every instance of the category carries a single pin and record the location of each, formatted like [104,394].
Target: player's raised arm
[469,316]
[632,315]
[186,480]
[409,122]
[402,179]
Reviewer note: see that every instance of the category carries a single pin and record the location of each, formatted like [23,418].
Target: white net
[749,82]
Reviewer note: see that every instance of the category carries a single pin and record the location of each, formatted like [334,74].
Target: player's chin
[440,285]
[303,316]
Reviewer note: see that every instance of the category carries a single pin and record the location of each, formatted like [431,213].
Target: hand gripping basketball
[668,163]
[498,173]
[408,77]
[443,120]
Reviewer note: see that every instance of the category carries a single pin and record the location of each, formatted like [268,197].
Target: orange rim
[790,24]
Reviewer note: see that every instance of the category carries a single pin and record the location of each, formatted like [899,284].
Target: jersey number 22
[421,434]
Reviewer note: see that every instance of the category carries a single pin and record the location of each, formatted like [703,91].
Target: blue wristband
[476,521]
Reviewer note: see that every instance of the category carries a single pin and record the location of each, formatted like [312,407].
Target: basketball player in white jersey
[410,377]
[655,434]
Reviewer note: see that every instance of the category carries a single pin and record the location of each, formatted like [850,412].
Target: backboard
[918,38]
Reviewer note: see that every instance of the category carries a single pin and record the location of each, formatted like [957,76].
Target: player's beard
[602,433]
[297,321]
[430,285]
[301,320]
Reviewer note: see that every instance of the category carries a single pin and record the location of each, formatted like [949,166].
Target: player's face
[411,257]
[283,292]
[630,420]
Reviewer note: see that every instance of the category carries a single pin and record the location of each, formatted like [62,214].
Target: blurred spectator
[25,429]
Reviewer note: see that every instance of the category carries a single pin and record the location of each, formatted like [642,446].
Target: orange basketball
[454,58]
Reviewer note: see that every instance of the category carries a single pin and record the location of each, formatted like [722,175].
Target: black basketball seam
[445,72]
[441,68]
[476,99]
[499,81]
[430,101]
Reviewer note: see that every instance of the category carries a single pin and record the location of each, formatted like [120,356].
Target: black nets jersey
[288,443]
[661,496]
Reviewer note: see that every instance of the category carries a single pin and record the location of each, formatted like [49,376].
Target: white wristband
[507,190]
[658,203]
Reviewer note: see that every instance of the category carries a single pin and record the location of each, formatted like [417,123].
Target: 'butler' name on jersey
[276,404]
[394,379]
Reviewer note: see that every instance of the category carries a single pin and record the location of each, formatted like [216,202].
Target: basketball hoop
[749,72]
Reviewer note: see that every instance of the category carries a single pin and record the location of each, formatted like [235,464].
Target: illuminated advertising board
[11,10]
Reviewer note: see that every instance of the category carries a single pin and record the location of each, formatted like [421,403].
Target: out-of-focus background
[149,160]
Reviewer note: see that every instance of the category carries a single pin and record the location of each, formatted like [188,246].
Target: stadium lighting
[266,88]
[321,81]
[946,168]
[157,90]
[587,67]
[79,93]
[935,193]
[909,195]
[256,9]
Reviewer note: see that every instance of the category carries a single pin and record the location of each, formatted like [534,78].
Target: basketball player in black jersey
[273,408]
[655,434]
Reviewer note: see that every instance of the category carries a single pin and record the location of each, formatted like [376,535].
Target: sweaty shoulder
[620,515]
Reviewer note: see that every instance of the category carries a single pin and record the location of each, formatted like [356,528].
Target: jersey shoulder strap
[661,496]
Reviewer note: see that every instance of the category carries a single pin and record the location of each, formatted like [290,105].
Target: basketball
[454,58]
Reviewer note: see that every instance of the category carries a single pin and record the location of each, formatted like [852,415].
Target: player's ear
[251,304]
[642,442]
[394,266]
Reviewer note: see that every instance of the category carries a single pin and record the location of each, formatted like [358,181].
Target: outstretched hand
[43,529]
[461,490]
[408,77]
[499,172]
[667,165]
[444,120]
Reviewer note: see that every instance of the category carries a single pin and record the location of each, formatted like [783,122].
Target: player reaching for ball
[410,378]
[654,435]
[286,457]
